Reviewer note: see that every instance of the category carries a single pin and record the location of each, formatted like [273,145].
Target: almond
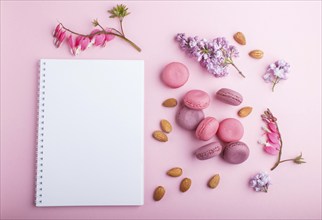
[240,38]
[185,184]
[256,54]
[158,193]
[214,181]
[160,136]
[244,112]
[172,102]
[175,172]
[166,126]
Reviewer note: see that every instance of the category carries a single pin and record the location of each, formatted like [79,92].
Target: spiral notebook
[90,133]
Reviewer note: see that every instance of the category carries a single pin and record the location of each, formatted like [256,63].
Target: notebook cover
[90,148]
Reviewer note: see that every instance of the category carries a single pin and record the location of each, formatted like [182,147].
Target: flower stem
[280,151]
[275,82]
[237,69]
[121,24]
[105,32]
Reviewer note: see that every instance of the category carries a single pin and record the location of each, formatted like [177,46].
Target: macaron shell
[230,130]
[208,151]
[196,99]
[175,75]
[189,118]
[236,152]
[207,128]
[229,96]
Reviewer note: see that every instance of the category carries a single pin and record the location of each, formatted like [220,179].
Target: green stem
[237,69]
[121,24]
[105,32]
[280,151]
[275,82]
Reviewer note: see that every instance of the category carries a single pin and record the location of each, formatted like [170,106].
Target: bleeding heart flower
[84,43]
[273,138]
[272,127]
[60,38]
[97,39]
[57,30]
[109,37]
[71,44]
[271,150]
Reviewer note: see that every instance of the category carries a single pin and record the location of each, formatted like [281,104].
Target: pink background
[288,30]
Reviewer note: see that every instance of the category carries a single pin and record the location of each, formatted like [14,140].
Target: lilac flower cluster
[213,55]
[276,71]
[260,182]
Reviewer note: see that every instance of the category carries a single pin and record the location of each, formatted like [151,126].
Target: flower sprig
[276,72]
[98,37]
[214,55]
[273,144]
[260,182]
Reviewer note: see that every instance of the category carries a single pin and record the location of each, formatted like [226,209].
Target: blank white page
[90,133]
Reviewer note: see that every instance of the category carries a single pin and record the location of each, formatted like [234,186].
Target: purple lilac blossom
[260,182]
[213,55]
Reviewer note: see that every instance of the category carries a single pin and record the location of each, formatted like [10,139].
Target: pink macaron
[236,152]
[229,96]
[207,128]
[189,118]
[175,75]
[230,129]
[208,151]
[196,99]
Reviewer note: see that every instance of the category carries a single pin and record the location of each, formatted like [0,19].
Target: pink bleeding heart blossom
[272,142]
[59,36]
[97,39]
[109,37]
[71,45]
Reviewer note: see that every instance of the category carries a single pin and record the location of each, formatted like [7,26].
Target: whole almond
[158,193]
[185,184]
[256,54]
[214,181]
[160,136]
[166,126]
[245,111]
[240,38]
[175,172]
[172,102]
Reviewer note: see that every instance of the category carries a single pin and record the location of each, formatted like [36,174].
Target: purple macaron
[208,151]
[189,118]
[229,96]
[236,152]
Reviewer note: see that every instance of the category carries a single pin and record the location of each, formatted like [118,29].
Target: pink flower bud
[97,39]
[273,138]
[57,30]
[84,43]
[71,44]
[109,37]
[271,150]
[77,44]
[272,127]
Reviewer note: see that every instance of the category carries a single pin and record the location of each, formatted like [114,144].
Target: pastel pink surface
[26,28]
[230,129]
[175,74]
[207,128]
[196,99]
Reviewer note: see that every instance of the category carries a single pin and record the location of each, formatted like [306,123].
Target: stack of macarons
[190,116]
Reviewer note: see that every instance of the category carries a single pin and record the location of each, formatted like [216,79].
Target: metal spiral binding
[40,132]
